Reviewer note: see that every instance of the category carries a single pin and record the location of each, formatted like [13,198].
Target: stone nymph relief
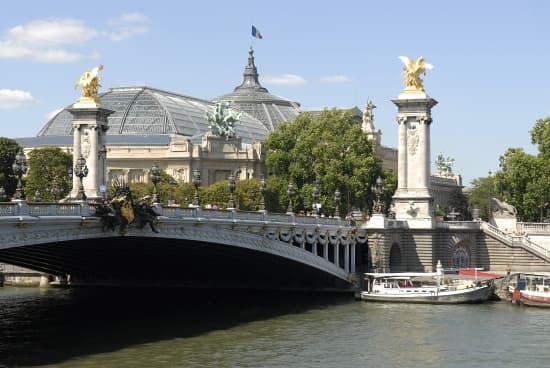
[412,138]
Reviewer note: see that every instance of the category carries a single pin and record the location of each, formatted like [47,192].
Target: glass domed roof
[145,111]
[256,100]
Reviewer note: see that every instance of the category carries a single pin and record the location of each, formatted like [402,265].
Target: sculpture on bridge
[122,210]
[412,72]
[502,209]
[89,82]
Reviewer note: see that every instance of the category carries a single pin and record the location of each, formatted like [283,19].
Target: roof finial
[250,76]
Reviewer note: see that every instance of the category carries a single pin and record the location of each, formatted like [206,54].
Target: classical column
[402,155]
[346,257]
[353,246]
[337,253]
[90,125]
[413,199]
[76,155]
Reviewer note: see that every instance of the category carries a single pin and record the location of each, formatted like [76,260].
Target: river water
[175,328]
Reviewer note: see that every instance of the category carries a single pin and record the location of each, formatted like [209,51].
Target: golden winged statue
[412,72]
[89,82]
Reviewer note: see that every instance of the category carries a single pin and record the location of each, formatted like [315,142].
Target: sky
[491,60]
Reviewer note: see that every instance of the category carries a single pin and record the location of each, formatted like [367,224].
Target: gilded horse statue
[412,72]
[89,82]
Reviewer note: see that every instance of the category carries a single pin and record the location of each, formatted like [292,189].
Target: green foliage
[332,149]
[540,135]
[459,203]
[47,165]
[216,195]
[8,150]
[483,190]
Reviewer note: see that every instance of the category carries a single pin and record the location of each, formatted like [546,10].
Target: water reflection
[50,326]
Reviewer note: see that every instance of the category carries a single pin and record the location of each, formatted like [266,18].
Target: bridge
[193,247]
[204,248]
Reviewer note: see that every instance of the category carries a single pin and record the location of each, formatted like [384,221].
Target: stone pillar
[346,257]
[76,155]
[353,246]
[90,125]
[413,199]
[337,253]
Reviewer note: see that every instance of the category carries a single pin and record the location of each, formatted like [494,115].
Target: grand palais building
[151,125]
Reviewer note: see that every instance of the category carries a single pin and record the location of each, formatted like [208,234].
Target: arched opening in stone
[461,257]
[395,258]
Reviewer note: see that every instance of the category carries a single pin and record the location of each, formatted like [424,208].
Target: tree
[483,190]
[46,166]
[540,135]
[8,150]
[331,149]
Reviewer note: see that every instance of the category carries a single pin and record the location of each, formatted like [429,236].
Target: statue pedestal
[377,221]
[89,128]
[413,198]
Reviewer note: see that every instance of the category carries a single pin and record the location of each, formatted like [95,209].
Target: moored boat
[532,290]
[432,288]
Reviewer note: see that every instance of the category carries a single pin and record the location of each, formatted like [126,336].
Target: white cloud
[59,40]
[284,79]
[128,25]
[12,98]
[52,32]
[335,79]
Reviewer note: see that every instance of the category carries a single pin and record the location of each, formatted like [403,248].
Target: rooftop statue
[89,82]
[412,72]
[444,165]
[221,124]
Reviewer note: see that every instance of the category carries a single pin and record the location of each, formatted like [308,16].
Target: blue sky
[491,60]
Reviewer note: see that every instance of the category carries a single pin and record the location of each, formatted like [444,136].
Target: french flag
[256,33]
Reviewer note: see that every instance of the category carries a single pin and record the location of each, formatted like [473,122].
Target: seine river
[174,328]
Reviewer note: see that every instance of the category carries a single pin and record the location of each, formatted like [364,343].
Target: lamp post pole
[196,184]
[263,191]
[231,186]
[315,197]
[378,190]
[81,171]
[19,169]
[54,189]
[337,200]
[290,192]
[155,178]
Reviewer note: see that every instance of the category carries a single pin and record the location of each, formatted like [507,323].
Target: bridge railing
[41,209]
[533,228]
[517,240]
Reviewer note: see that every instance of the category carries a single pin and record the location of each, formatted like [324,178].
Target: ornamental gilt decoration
[412,72]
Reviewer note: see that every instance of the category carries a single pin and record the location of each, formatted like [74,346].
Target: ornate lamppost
[81,171]
[196,184]
[19,169]
[37,196]
[231,185]
[263,191]
[3,196]
[290,192]
[315,195]
[337,201]
[55,189]
[378,190]
[155,178]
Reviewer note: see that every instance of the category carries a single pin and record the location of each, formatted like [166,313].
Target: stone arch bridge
[234,249]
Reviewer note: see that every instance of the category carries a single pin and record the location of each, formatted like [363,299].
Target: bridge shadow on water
[39,327]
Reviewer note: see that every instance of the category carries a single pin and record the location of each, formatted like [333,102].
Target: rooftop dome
[256,100]
[145,111]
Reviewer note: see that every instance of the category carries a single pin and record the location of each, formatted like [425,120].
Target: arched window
[461,257]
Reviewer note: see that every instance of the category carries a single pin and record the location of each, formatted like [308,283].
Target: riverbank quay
[16,276]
